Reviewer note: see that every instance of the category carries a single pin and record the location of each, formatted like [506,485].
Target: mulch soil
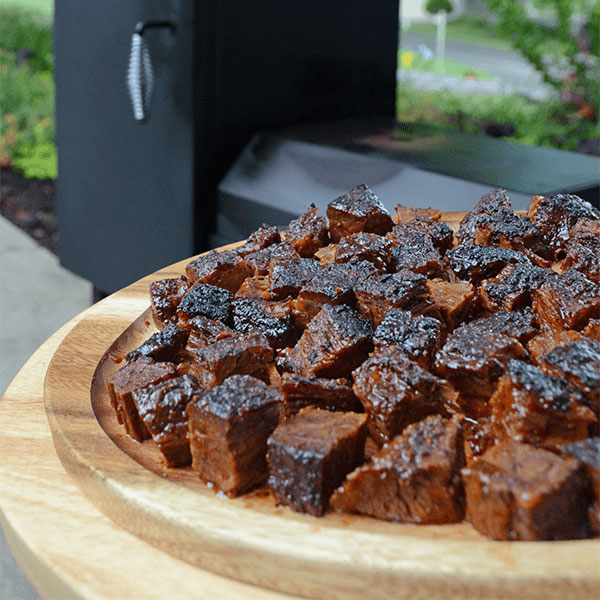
[30,205]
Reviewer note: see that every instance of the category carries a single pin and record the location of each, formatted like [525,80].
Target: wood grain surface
[252,540]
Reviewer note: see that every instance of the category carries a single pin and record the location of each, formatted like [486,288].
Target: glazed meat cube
[478,438]
[287,279]
[592,330]
[493,223]
[165,296]
[165,346]
[121,384]
[511,289]
[376,295]
[566,301]
[415,251]
[414,479]
[307,233]
[369,247]
[418,337]
[222,269]
[475,263]
[519,492]
[541,345]
[260,262]
[242,354]
[518,324]
[428,221]
[255,287]
[310,454]
[334,343]
[161,408]
[395,392]
[532,407]
[228,430]
[358,210]
[206,301]
[298,392]
[449,301]
[263,237]
[579,362]
[588,453]
[583,249]
[204,331]
[279,328]
[556,215]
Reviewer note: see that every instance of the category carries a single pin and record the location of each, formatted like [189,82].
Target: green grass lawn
[467,30]
[45,7]
[409,61]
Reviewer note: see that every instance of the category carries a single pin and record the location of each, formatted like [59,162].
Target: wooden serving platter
[252,539]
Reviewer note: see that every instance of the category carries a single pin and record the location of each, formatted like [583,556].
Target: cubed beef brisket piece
[476,263]
[298,392]
[260,262]
[307,233]
[133,376]
[478,438]
[588,453]
[263,237]
[206,301]
[165,296]
[204,331]
[161,408]
[287,279]
[414,479]
[255,287]
[356,211]
[369,247]
[583,249]
[556,215]
[241,354]
[167,345]
[277,325]
[511,289]
[377,294]
[396,392]
[541,345]
[334,343]
[418,337]
[427,221]
[518,492]
[531,407]
[451,302]
[310,454]
[493,223]
[521,324]
[415,251]
[592,330]
[566,301]
[225,269]
[228,431]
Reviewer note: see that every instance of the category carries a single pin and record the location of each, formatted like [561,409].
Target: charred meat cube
[287,279]
[310,454]
[518,324]
[518,492]
[204,331]
[225,269]
[541,345]
[478,438]
[556,215]
[531,407]
[161,408]
[241,354]
[428,221]
[263,237]
[395,392]
[414,479]
[583,249]
[275,323]
[475,263]
[228,430]
[307,233]
[206,301]
[121,384]
[377,294]
[298,392]
[449,301]
[566,301]
[493,223]
[165,296]
[415,251]
[511,289]
[370,247]
[260,262]
[335,342]
[165,346]
[418,337]
[358,210]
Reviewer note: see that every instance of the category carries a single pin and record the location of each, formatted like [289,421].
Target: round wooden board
[250,538]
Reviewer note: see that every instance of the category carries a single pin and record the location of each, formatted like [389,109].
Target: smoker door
[125,188]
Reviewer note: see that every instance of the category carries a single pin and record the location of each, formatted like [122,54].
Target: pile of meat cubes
[387,367]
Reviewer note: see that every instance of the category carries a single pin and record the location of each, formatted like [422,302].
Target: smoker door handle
[140,75]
